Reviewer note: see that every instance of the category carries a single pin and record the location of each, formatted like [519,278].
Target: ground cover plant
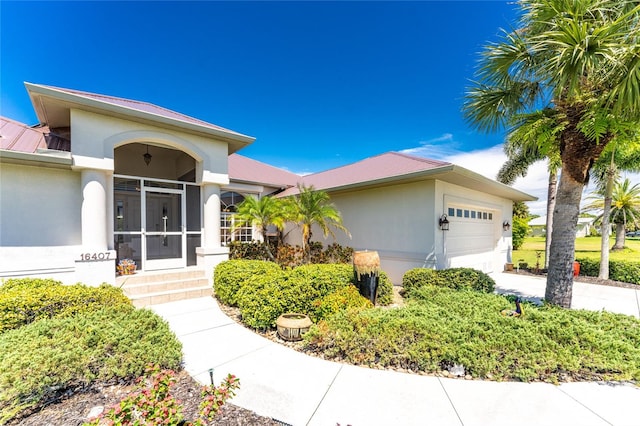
[263,291]
[59,339]
[440,327]
[25,300]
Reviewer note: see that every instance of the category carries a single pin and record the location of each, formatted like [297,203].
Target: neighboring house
[539,224]
[104,178]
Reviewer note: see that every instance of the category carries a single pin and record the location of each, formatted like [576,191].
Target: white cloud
[436,148]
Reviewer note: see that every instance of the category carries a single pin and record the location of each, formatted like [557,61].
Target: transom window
[467,213]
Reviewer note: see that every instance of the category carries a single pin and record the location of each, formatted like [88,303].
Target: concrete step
[163,286]
[152,288]
[149,299]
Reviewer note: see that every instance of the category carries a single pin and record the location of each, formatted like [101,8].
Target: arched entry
[157,206]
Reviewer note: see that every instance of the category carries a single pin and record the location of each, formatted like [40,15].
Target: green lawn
[585,247]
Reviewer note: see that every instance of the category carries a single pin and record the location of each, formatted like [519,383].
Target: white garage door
[472,238]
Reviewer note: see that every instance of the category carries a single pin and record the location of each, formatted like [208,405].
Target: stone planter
[292,326]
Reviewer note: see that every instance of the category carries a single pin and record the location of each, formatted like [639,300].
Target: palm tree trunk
[605,227]
[552,189]
[620,229]
[563,241]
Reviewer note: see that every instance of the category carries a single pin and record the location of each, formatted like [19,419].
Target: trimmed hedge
[619,270]
[23,301]
[263,291]
[265,297]
[454,278]
[230,275]
[40,361]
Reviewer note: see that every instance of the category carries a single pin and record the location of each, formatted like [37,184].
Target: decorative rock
[95,412]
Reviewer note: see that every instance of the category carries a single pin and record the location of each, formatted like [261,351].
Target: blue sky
[318,84]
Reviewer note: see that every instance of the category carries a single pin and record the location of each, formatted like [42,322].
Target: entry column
[211,253]
[96,263]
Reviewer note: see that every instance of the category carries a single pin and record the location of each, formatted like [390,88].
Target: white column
[95,264]
[211,253]
[211,199]
[94,209]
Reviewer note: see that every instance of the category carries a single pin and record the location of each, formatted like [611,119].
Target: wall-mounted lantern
[147,157]
[506,225]
[443,222]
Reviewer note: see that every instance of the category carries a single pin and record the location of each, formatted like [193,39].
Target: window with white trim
[229,202]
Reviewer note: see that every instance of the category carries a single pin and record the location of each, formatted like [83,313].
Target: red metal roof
[383,166]
[140,106]
[245,169]
[15,136]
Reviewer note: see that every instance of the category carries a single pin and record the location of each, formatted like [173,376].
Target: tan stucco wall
[96,136]
[39,221]
[401,223]
[39,206]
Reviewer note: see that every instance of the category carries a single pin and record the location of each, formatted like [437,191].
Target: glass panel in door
[164,230]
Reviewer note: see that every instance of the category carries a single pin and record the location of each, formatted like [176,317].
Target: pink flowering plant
[153,404]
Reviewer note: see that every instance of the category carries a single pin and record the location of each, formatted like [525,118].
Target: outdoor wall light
[147,157]
[443,222]
[506,225]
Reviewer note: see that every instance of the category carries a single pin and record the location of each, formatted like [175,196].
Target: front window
[229,202]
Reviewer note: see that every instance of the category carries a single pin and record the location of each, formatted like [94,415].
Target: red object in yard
[576,269]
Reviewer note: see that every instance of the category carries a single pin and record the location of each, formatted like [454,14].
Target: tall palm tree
[261,213]
[625,208]
[613,158]
[581,59]
[311,207]
[534,138]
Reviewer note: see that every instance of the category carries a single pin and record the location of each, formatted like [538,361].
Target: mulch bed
[74,409]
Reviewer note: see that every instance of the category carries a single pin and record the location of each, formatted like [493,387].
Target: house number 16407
[88,257]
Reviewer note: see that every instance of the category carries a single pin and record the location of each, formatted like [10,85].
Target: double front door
[151,222]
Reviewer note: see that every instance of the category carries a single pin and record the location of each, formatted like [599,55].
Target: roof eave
[237,141]
[443,173]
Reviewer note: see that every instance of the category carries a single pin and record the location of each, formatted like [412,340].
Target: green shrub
[288,256]
[45,358]
[345,298]
[230,276]
[619,270]
[13,283]
[519,231]
[440,327]
[265,297]
[385,290]
[26,300]
[455,278]
[418,277]
[466,278]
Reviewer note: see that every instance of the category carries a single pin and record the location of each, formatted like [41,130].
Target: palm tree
[580,59]
[311,207]
[261,213]
[534,138]
[607,171]
[625,208]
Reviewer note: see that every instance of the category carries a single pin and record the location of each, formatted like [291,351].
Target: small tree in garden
[311,207]
[261,213]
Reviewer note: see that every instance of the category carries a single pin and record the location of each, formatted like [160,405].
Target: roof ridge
[348,164]
[422,159]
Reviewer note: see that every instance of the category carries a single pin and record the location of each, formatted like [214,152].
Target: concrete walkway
[298,389]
